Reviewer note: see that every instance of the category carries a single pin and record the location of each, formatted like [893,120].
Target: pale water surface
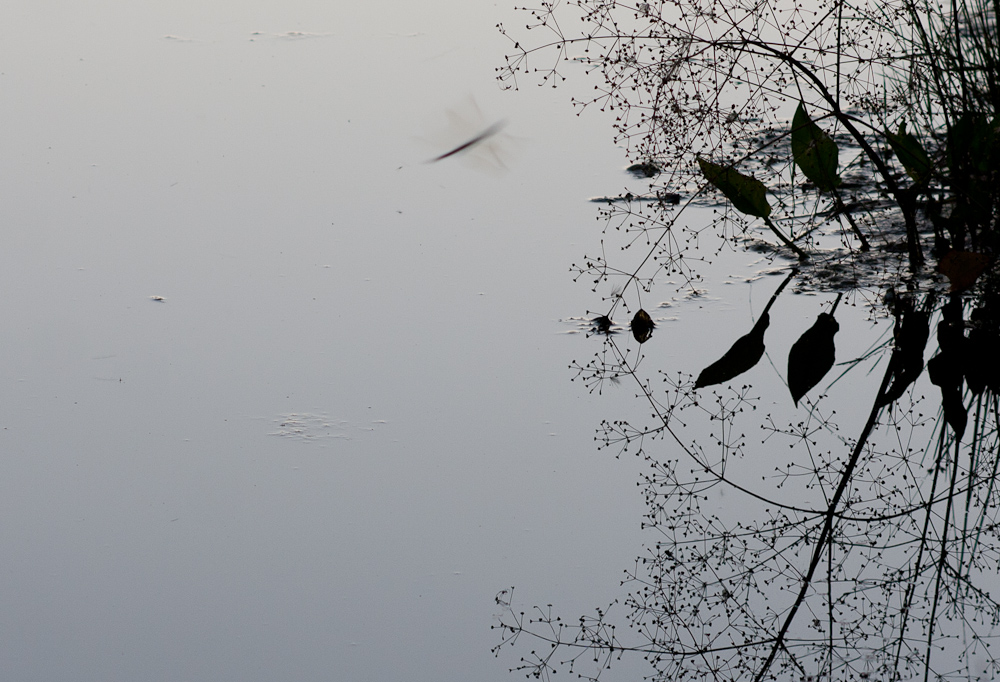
[280,401]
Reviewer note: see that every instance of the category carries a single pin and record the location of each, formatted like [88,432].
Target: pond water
[280,399]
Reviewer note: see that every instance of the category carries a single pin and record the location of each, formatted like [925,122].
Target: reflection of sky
[400,319]
[349,423]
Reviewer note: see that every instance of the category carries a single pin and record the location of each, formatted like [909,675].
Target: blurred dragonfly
[481,137]
[467,136]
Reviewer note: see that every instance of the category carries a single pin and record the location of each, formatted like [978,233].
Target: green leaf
[971,141]
[814,151]
[910,153]
[747,194]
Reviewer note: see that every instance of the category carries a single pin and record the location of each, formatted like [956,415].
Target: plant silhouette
[907,361]
[642,326]
[813,354]
[856,141]
[746,352]
[947,369]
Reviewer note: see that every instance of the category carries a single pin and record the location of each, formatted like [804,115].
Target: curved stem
[906,202]
[786,241]
[825,535]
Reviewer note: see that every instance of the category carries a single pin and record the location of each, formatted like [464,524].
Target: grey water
[281,400]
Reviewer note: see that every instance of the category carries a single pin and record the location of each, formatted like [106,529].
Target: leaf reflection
[812,356]
[642,326]
[856,540]
[745,353]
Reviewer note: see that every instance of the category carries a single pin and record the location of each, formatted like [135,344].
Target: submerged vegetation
[860,141]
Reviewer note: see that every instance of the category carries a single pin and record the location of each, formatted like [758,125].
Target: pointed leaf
[812,356]
[948,367]
[748,195]
[814,152]
[741,357]
[910,153]
[970,141]
[981,365]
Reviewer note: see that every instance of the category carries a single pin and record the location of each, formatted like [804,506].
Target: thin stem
[786,241]
[845,479]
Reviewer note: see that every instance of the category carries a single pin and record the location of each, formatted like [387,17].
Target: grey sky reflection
[239,161]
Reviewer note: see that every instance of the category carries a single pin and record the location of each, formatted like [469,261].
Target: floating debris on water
[592,325]
[646,169]
[602,324]
[317,426]
[289,35]
[670,198]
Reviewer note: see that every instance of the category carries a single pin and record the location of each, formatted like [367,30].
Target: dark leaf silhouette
[642,326]
[947,368]
[944,370]
[951,329]
[812,356]
[982,365]
[743,354]
[970,141]
[911,154]
[907,360]
[954,411]
[748,195]
[814,151]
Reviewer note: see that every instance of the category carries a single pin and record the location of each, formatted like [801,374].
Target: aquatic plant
[863,134]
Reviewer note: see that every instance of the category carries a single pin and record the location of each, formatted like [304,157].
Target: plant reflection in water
[861,141]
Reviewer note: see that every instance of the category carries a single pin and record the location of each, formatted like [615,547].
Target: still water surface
[280,400]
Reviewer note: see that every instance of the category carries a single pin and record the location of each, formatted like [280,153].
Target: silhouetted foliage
[812,356]
[642,326]
[907,360]
[983,366]
[947,368]
[743,356]
[864,139]
[745,353]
